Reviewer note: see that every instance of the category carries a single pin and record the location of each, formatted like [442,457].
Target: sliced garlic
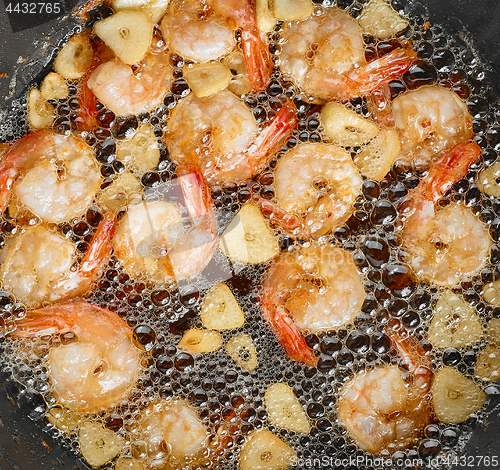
[141,153]
[488,363]
[284,409]
[379,19]
[40,111]
[248,239]
[98,445]
[455,397]
[208,78]
[263,450]
[265,19]
[455,323]
[376,159]
[292,10]
[127,33]
[220,310]
[75,58]
[197,341]
[242,351]
[123,191]
[53,87]
[345,127]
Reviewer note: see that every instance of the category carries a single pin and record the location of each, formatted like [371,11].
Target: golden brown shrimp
[205,30]
[98,367]
[430,120]
[38,264]
[324,56]
[44,170]
[314,289]
[445,246]
[316,185]
[132,90]
[384,408]
[223,138]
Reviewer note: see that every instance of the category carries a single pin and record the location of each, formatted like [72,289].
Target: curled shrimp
[430,120]
[324,56]
[223,140]
[129,90]
[170,434]
[316,185]
[152,239]
[44,170]
[448,245]
[97,366]
[38,264]
[205,30]
[314,289]
[388,407]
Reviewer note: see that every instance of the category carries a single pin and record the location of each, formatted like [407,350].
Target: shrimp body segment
[445,246]
[204,31]
[37,264]
[127,91]
[318,185]
[430,120]
[312,290]
[223,140]
[324,55]
[98,367]
[54,176]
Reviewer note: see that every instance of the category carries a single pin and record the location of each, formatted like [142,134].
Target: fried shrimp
[314,289]
[317,186]
[445,246]
[324,56]
[387,408]
[38,265]
[172,434]
[223,140]
[205,30]
[152,241]
[430,120]
[44,170]
[129,90]
[98,366]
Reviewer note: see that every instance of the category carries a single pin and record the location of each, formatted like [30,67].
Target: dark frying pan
[23,443]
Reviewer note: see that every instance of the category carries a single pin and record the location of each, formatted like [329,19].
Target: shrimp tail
[379,72]
[414,357]
[79,282]
[452,167]
[289,336]
[100,246]
[257,57]
[273,137]
[449,169]
[23,154]
[47,321]
[87,119]
[197,195]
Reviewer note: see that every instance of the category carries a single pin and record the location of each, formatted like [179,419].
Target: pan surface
[26,441]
